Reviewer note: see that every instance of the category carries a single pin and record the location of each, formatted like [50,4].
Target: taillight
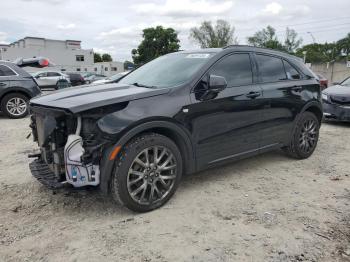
[44,62]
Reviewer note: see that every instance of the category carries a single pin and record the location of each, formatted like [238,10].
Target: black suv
[180,113]
[17,87]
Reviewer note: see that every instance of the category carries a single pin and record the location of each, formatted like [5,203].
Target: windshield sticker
[198,56]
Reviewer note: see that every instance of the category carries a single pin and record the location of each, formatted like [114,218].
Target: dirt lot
[268,208]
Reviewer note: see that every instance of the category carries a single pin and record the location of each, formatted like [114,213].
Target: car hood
[81,98]
[337,90]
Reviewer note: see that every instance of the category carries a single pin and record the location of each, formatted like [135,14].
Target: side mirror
[216,83]
[37,77]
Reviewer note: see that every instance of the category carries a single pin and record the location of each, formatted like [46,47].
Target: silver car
[50,79]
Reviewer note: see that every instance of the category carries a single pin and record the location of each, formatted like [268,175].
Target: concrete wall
[334,72]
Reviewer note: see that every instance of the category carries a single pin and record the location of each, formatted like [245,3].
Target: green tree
[107,58]
[97,58]
[266,38]
[319,53]
[156,42]
[128,65]
[344,47]
[207,35]
[291,42]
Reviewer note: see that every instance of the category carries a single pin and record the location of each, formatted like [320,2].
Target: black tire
[8,110]
[303,143]
[61,84]
[126,161]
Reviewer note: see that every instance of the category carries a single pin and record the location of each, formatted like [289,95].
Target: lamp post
[304,53]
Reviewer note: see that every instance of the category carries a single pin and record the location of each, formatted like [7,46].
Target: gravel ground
[267,208]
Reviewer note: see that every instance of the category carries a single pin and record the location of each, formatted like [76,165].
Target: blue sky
[116,26]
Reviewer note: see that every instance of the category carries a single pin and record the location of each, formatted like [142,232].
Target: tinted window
[5,71]
[271,68]
[236,69]
[291,72]
[42,75]
[53,74]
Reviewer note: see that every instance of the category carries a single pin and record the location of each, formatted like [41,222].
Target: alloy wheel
[308,136]
[16,106]
[152,175]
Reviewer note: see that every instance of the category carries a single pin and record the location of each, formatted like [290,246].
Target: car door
[280,83]
[228,125]
[52,78]
[41,79]
[5,72]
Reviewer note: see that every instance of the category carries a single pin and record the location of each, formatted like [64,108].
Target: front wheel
[147,172]
[15,105]
[305,136]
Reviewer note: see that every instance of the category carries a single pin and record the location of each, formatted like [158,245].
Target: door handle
[2,84]
[297,88]
[253,94]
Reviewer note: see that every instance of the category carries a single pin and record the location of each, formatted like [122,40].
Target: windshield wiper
[142,85]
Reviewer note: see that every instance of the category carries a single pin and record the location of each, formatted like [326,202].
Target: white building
[66,55]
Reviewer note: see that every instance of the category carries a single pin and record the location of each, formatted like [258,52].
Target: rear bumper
[336,112]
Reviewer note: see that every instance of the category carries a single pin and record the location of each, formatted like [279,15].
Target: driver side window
[236,69]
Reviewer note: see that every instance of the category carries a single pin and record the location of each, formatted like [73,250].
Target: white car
[50,79]
[112,79]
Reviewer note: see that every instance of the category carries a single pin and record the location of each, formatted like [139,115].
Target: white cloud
[66,26]
[184,8]
[273,8]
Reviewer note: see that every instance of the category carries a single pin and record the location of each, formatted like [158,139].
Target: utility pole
[304,53]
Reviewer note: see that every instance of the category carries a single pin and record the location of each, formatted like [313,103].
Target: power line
[309,22]
[317,21]
[312,28]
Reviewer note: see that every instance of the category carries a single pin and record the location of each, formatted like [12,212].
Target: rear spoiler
[33,62]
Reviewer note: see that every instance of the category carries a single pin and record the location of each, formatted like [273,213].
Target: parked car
[178,114]
[336,101]
[323,81]
[112,79]
[76,79]
[91,77]
[50,79]
[16,88]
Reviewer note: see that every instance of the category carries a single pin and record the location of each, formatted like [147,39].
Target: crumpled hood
[337,90]
[81,98]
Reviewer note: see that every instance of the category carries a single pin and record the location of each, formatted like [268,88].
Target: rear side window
[292,73]
[53,74]
[236,69]
[6,71]
[271,68]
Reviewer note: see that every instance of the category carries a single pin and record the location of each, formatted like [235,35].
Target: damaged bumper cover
[336,112]
[64,158]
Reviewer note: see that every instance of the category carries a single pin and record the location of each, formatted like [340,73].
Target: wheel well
[177,139]
[316,111]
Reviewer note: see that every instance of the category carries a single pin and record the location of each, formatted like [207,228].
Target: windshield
[346,82]
[167,71]
[115,77]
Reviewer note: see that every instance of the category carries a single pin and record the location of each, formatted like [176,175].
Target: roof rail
[229,46]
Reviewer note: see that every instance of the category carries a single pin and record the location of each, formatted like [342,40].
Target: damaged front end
[70,148]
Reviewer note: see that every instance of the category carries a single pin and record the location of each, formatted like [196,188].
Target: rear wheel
[147,172]
[305,136]
[15,105]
